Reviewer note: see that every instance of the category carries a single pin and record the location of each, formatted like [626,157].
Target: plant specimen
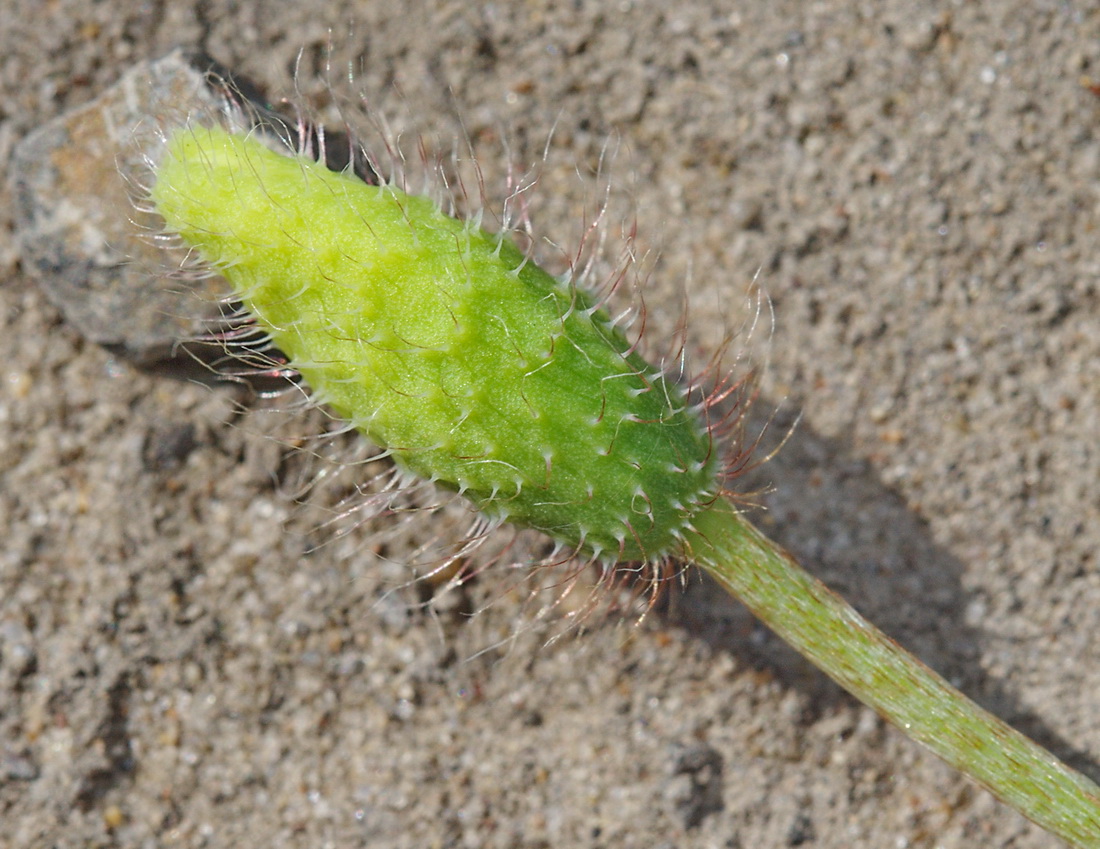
[475,369]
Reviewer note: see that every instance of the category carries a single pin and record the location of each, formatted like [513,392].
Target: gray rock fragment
[78,231]
[94,253]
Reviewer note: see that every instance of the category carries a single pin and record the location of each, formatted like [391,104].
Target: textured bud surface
[473,366]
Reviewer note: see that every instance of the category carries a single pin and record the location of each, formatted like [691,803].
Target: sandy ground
[914,183]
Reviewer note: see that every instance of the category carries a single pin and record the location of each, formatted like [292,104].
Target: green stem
[877,671]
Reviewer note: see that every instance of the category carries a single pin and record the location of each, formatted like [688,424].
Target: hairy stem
[877,671]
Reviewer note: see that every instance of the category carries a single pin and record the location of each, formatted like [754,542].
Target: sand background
[915,183]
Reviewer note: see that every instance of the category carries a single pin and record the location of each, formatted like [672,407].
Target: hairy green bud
[441,342]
